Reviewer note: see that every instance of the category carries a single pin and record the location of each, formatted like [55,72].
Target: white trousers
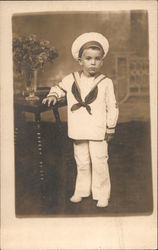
[92,169]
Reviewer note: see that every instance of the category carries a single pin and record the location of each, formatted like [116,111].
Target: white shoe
[75,199]
[103,203]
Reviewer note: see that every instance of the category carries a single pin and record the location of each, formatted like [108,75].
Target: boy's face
[91,61]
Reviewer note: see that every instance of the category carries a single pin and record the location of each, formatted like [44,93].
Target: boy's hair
[90,46]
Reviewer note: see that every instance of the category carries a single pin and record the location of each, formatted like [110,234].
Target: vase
[32,88]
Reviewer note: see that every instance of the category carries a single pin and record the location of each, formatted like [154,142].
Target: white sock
[75,199]
[102,203]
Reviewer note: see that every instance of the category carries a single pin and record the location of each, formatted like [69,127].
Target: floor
[130,171]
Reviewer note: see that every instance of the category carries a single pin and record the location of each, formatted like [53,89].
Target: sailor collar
[90,97]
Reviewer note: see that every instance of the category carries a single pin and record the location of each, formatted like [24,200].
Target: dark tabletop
[21,104]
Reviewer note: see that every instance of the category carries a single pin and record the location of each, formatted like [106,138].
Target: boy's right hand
[49,100]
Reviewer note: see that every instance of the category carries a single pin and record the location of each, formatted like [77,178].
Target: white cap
[89,37]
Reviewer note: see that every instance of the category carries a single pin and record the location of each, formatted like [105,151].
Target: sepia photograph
[82,120]
[81,124]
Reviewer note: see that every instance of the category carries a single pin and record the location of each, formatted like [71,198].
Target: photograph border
[134,232]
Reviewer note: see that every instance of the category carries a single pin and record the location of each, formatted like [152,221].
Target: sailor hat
[88,40]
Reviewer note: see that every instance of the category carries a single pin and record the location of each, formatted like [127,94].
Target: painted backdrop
[126,62]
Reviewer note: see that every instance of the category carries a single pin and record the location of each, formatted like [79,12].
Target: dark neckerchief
[92,95]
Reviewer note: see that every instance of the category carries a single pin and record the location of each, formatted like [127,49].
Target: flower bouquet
[30,55]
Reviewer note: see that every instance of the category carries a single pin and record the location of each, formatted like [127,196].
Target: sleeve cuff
[53,94]
[110,130]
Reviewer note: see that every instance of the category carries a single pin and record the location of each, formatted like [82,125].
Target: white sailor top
[92,109]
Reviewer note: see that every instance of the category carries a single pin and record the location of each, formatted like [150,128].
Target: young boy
[92,117]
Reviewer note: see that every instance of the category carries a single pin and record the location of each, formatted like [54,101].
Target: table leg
[41,157]
[18,120]
[16,132]
[57,118]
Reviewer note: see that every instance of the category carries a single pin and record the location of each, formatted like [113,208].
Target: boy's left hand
[108,137]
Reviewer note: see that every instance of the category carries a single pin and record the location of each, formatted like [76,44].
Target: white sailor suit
[92,111]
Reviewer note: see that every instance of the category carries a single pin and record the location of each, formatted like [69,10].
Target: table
[36,107]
